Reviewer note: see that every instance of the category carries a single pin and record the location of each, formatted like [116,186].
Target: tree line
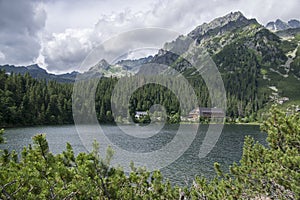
[27,101]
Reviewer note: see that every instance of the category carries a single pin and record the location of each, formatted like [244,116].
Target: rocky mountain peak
[34,67]
[233,16]
[280,25]
[294,23]
[220,25]
[102,64]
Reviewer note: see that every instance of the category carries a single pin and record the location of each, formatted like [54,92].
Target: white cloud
[21,23]
[68,49]
[2,56]
[85,13]
[73,29]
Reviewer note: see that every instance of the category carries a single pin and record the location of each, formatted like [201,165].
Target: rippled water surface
[227,150]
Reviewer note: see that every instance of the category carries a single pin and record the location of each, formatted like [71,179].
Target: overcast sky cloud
[59,34]
[20,25]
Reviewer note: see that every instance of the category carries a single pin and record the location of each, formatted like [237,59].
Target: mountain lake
[182,171]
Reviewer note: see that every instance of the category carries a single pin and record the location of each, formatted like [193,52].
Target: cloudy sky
[59,34]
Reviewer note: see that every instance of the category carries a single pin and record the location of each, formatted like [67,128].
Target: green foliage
[173,119]
[1,138]
[273,171]
[241,69]
[287,46]
[26,101]
[263,172]
[41,175]
[297,37]
[296,63]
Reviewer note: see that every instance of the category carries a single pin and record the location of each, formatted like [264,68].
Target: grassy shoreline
[183,122]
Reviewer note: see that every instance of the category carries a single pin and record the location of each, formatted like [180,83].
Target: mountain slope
[36,72]
[257,66]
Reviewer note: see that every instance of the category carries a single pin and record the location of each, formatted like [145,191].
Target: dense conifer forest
[28,101]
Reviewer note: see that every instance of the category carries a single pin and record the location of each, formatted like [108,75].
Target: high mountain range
[280,25]
[37,72]
[257,63]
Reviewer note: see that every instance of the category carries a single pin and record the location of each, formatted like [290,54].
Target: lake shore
[182,122]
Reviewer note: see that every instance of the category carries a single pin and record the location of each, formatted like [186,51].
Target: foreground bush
[271,172]
[263,172]
[41,175]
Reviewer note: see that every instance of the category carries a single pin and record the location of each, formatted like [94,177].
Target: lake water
[227,150]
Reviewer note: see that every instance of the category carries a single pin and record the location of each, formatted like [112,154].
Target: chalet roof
[141,113]
[212,110]
[203,110]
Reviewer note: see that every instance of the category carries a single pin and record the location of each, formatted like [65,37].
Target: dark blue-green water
[227,150]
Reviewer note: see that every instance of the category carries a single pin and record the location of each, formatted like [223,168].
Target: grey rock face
[280,25]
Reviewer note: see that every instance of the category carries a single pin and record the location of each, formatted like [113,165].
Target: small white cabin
[139,114]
